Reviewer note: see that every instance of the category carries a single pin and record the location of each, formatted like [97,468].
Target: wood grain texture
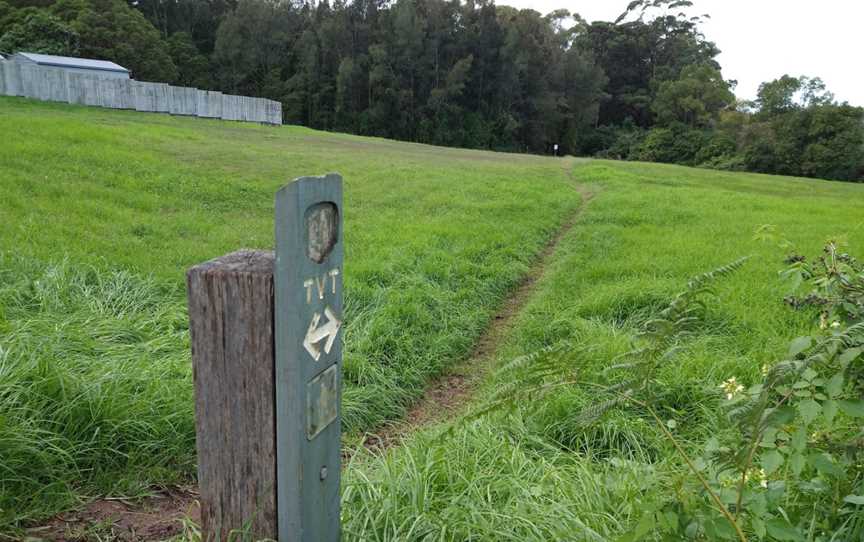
[231,327]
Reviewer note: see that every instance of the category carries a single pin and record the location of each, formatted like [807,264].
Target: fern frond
[619,366]
[525,360]
[628,386]
[590,414]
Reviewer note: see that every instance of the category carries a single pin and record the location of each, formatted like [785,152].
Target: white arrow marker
[316,334]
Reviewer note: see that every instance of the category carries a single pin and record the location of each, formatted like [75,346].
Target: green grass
[94,381]
[102,213]
[104,210]
[535,474]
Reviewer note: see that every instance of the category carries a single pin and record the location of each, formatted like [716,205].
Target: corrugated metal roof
[71,62]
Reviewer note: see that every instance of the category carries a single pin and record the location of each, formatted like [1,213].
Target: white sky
[761,40]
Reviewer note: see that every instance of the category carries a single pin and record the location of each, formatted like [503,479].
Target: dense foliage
[472,74]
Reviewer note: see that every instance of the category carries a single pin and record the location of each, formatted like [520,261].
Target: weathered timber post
[231,326]
[267,355]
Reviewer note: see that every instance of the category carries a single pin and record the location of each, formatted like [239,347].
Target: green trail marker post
[267,364]
[308,316]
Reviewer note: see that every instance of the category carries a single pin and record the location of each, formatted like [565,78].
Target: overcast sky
[761,40]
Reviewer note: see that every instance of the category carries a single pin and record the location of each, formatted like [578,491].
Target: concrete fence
[58,85]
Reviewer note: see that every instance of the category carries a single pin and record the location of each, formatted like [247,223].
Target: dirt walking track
[164,514]
[445,397]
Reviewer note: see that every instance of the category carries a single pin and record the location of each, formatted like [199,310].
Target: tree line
[467,73]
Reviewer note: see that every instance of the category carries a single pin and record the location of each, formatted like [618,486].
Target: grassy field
[103,211]
[535,473]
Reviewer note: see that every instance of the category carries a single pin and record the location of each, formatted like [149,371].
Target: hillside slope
[104,210]
[102,213]
[534,468]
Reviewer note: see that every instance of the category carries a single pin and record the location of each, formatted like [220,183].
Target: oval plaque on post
[322,230]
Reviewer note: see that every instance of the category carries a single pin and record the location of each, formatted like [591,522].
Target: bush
[824,141]
[40,32]
[597,142]
[725,162]
[716,146]
[674,145]
[623,143]
[836,143]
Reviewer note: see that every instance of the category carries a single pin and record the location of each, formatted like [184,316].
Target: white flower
[761,477]
[731,388]
[835,325]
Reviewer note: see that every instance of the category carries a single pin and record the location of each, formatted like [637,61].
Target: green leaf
[719,529]
[846,357]
[758,527]
[852,408]
[829,410]
[809,410]
[780,416]
[757,504]
[712,445]
[783,530]
[728,495]
[835,385]
[691,530]
[854,499]
[797,462]
[799,439]
[809,374]
[795,280]
[825,464]
[799,345]
[771,461]
[668,521]
[645,525]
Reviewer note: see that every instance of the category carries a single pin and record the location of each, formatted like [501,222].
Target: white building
[100,68]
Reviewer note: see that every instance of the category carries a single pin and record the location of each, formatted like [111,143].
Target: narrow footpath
[446,396]
[171,511]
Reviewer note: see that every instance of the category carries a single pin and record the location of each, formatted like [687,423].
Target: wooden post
[309,273]
[231,326]
[267,360]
